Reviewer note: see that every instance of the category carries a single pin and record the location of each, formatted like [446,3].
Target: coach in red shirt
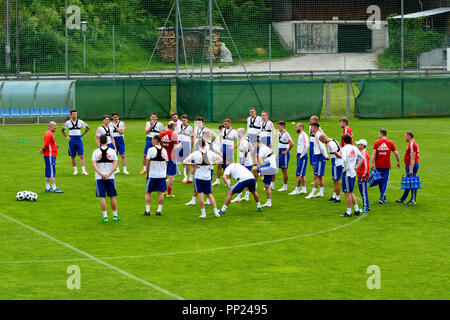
[169,141]
[50,150]
[381,157]
[411,165]
[343,123]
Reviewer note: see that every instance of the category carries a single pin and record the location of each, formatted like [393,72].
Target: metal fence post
[348,97]
[327,99]
[66,43]
[114,51]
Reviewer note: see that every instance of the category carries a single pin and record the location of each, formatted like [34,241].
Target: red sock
[169,191]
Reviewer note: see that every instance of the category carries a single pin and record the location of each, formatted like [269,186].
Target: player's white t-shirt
[254,125]
[283,139]
[157,127]
[120,125]
[238,172]
[185,133]
[333,146]
[267,156]
[158,169]
[74,127]
[246,146]
[228,136]
[204,171]
[199,132]
[104,167]
[313,135]
[302,144]
[105,131]
[177,127]
[319,147]
[267,129]
[350,155]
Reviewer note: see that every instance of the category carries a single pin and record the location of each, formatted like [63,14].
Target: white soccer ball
[33,196]
[20,196]
[27,194]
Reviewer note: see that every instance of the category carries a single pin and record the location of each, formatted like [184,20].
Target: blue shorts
[336,171]
[301,165]
[265,140]
[241,185]
[227,155]
[319,165]
[283,159]
[120,145]
[148,144]
[105,188]
[202,186]
[172,168]
[311,153]
[156,185]
[184,151]
[268,172]
[267,180]
[76,146]
[50,166]
[111,146]
[347,183]
[249,168]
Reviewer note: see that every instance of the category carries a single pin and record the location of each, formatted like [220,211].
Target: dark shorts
[202,186]
[301,165]
[319,165]
[76,146]
[241,185]
[105,188]
[50,166]
[156,185]
[172,168]
[148,145]
[311,153]
[120,145]
[336,171]
[283,159]
[347,183]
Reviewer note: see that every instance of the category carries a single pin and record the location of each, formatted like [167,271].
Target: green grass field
[298,249]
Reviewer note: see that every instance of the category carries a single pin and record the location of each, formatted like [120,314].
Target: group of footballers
[200,150]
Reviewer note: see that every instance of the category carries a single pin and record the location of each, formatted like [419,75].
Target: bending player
[74,125]
[267,167]
[203,160]
[244,178]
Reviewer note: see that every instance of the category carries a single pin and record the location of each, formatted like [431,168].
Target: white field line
[184,252]
[91,257]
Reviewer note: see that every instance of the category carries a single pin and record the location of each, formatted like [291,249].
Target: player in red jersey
[345,129]
[50,150]
[169,141]
[381,158]
[363,174]
[411,165]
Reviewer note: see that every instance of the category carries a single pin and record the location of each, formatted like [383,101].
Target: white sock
[105,214]
[356,207]
[203,211]
[185,173]
[247,194]
[194,199]
[321,190]
[218,180]
[296,189]
[239,195]
[338,197]
[334,195]
[190,177]
[269,201]
[54,186]
[272,184]
[159,207]
[285,186]
[147,208]
[145,168]
[303,188]
[349,211]
[256,185]
[47,185]
[83,169]
[313,191]
[124,168]
[224,208]
[216,211]
[75,169]
[115,213]
[258,205]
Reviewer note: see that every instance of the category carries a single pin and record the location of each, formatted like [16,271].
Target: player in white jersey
[302,159]
[104,161]
[245,180]
[152,128]
[74,125]
[203,159]
[350,156]
[156,168]
[254,123]
[200,130]
[105,130]
[320,158]
[285,144]
[186,137]
[336,165]
[176,121]
[228,136]
[312,139]
[118,132]
[246,150]
[267,167]
[267,134]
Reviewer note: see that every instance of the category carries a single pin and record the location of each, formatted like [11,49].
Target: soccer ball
[20,196]
[33,196]
[27,194]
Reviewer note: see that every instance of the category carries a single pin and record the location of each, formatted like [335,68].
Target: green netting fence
[131,98]
[220,99]
[423,97]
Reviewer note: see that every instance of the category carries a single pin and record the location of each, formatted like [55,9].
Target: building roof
[425,13]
